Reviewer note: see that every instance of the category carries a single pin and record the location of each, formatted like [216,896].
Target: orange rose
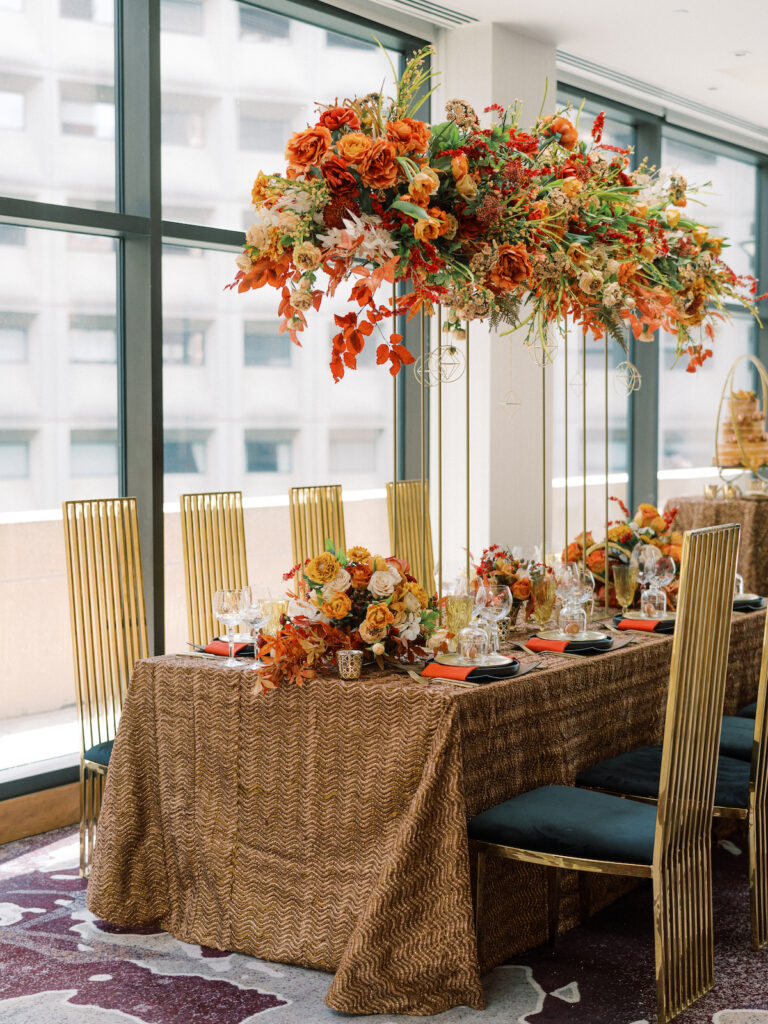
[353,147]
[378,168]
[571,187]
[521,590]
[337,607]
[379,617]
[335,117]
[562,126]
[306,148]
[322,568]
[459,166]
[423,185]
[340,181]
[427,229]
[577,254]
[512,268]
[646,513]
[596,560]
[408,135]
[360,575]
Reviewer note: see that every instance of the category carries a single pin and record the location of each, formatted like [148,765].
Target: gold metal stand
[584,447]
[565,439]
[394,432]
[544,461]
[605,397]
[467,467]
[439,451]
[424,509]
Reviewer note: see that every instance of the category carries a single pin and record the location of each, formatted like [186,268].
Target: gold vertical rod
[423,575]
[584,447]
[439,451]
[605,495]
[544,458]
[565,439]
[394,431]
[467,467]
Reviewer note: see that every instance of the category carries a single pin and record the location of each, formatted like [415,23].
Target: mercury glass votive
[350,664]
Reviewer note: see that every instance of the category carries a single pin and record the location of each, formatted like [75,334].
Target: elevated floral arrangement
[344,600]
[498,565]
[647,526]
[481,220]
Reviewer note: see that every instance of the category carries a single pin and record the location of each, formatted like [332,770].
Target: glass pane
[57,105]
[233,96]
[58,440]
[729,203]
[244,409]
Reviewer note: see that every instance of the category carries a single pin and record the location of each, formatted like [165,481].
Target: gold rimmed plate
[588,637]
[490,661]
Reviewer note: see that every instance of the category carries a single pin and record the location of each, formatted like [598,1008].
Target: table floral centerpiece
[647,526]
[350,599]
[517,227]
[498,565]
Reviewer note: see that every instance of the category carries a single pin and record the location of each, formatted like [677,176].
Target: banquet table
[751,513]
[325,825]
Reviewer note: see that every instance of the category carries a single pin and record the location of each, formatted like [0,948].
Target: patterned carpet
[58,965]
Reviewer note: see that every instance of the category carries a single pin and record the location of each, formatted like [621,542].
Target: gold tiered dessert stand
[758,475]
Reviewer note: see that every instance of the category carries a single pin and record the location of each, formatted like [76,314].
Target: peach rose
[300,300]
[382,583]
[353,147]
[645,514]
[322,568]
[360,576]
[307,256]
[673,218]
[571,187]
[378,168]
[257,235]
[337,607]
[370,635]
[426,229]
[513,267]
[305,149]
[466,186]
[459,166]
[408,135]
[521,590]
[379,616]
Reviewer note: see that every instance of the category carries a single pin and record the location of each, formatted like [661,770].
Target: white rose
[411,603]
[307,609]
[438,638]
[257,235]
[244,263]
[382,583]
[287,221]
[411,628]
[378,649]
[340,582]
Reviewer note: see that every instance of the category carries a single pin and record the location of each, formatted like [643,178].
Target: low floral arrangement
[498,565]
[647,526]
[345,600]
[481,220]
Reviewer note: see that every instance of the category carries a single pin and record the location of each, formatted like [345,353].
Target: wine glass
[567,581]
[644,559]
[738,585]
[543,589]
[625,584]
[256,614]
[228,606]
[665,571]
[493,601]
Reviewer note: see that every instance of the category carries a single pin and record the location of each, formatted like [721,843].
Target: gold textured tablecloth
[751,513]
[326,825]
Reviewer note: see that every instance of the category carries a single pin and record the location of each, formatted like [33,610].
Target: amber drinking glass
[544,597]
[625,583]
[458,612]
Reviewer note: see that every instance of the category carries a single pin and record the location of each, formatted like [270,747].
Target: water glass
[228,607]
[256,614]
[543,590]
[493,601]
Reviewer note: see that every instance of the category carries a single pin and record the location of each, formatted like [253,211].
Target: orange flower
[337,607]
[408,135]
[357,553]
[521,590]
[322,568]
[459,166]
[673,218]
[646,514]
[426,229]
[339,179]
[440,215]
[577,254]
[353,147]
[360,575]
[596,560]
[571,187]
[466,186]
[423,185]
[306,148]
[335,117]
[562,126]
[512,268]
[379,617]
[378,168]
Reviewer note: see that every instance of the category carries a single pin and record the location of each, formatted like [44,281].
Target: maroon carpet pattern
[60,965]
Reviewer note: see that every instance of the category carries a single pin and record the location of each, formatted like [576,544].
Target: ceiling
[704,51]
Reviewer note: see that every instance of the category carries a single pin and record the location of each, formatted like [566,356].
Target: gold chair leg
[682,918]
[553,906]
[83,783]
[758,883]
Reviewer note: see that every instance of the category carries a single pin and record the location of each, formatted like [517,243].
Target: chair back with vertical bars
[414,529]
[106,602]
[213,539]
[758,809]
[317,515]
[682,850]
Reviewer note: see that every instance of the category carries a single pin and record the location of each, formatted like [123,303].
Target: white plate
[489,661]
[743,598]
[635,615]
[578,638]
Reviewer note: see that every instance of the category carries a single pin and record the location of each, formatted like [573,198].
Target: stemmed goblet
[256,614]
[493,601]
[625,585]
[543,589]
[228,607]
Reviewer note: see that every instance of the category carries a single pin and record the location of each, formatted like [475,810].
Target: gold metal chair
[414,529]
[317,515]
[109,634]
[564,827]
[213,539]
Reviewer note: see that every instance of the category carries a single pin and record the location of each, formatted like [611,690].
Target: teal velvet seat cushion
[101,753]
[572,823]
[636,773]
[750,711]
[736,737]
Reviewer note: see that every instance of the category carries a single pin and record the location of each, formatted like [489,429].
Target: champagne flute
[544,598]
[228,606]
[256,614]
[625,584]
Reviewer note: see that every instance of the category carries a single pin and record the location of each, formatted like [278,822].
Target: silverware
[198,654]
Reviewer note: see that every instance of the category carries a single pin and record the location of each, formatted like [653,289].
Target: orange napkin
[434,668]
[222,647]
[648,625]
[537,644]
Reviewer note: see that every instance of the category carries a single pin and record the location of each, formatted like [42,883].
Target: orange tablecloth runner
[326,825]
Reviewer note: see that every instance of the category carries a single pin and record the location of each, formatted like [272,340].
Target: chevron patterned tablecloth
[326,825]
